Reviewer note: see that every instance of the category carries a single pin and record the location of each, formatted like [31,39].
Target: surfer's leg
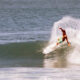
[63,39]
[67,41]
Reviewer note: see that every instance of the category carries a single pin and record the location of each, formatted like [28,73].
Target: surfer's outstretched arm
[63,31]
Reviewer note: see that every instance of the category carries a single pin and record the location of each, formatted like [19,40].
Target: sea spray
[70,24]
[72,27]
[74,56]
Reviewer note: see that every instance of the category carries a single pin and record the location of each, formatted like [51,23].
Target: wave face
[28,50]
[21,54]
[72,27]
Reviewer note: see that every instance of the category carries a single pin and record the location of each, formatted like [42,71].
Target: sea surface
[25,29]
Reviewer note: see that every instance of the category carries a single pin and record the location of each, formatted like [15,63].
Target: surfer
[64,37]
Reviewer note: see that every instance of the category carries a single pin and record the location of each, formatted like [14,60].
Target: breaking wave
[72,27]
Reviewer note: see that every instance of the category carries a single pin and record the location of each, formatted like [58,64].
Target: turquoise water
[25,29]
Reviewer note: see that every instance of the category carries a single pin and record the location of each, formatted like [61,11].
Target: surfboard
[49,48]
[52,47]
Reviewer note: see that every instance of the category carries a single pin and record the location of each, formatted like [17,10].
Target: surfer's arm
[62,29]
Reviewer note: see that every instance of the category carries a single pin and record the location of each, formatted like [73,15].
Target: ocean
[26,28]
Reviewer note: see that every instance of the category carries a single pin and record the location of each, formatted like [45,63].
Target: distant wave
[27,36]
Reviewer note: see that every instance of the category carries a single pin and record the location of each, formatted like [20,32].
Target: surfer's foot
[57,43]
[69,44]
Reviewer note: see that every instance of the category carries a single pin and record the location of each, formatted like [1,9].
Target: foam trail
[72,27]
[74,57]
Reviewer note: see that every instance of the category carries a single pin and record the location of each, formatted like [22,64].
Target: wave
[16,37]
[26,54]
[24,50]
[32,50]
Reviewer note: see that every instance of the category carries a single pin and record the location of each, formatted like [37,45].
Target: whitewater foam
[72,27]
